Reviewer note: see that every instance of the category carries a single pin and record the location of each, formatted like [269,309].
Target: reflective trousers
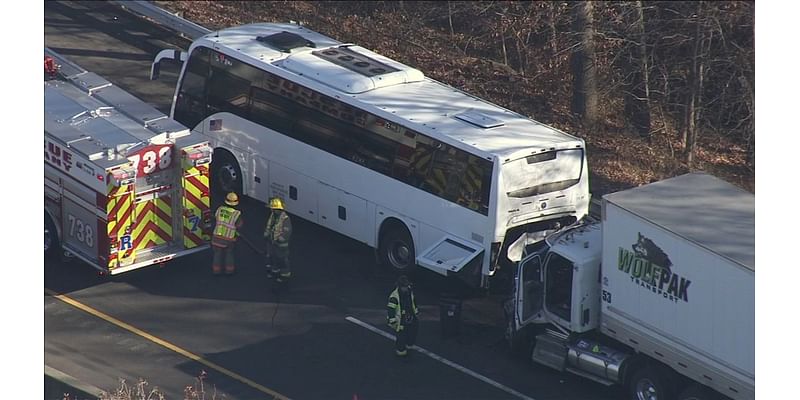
[278,260]
[223,258]
[406,337]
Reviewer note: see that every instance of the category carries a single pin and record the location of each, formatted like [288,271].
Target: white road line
[443,360]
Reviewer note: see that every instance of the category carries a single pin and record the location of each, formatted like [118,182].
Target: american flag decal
[215,125]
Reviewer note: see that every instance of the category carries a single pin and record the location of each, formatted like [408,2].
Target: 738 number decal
[80,230]
[152,159]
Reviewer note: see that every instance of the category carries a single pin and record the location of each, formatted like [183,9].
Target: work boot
[283,277]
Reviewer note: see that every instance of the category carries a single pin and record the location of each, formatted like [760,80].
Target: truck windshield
[558,298]
[543,173]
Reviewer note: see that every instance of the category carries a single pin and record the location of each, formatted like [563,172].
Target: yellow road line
[166,344]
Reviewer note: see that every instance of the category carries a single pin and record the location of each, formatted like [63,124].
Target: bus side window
[270,110]
[190,106]
[227,93]
[475,183]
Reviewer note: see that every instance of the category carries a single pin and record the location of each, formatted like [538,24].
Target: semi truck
[657,295]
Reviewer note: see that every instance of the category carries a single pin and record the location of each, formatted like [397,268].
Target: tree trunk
[584,89]
[637,94]
[450,18]
[693,106]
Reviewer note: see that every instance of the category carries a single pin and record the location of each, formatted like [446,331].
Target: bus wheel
[52,246]
[397,249]
[226,176]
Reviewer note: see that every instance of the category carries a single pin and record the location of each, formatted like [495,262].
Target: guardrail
[149,10]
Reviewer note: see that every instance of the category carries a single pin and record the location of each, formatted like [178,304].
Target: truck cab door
[529,291]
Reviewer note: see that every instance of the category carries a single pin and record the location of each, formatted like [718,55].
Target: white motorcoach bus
[372,149]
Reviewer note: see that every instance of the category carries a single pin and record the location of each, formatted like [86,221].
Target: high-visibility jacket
[227,223]
[396,314]
[278,229]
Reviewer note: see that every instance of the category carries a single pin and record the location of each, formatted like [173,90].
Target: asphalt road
[167,324]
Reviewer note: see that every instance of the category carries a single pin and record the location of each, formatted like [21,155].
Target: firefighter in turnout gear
[402,316]
[277,233]
[226,231]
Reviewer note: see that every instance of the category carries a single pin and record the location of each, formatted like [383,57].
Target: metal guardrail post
[164,17]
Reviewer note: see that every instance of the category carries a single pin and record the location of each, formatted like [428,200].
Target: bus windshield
[542,173]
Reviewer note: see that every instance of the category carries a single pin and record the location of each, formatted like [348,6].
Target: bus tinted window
[190,107]
[335,127]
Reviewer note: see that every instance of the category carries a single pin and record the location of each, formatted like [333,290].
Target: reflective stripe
[395,296]
[226,222]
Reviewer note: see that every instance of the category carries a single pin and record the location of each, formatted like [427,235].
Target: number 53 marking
[607,297]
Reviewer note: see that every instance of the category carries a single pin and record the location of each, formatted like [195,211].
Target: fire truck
[125,186]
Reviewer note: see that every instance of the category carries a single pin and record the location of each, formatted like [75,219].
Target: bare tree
[584,74]
[637,65]
[702,41]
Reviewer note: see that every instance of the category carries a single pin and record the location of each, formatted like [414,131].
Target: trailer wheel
[396,249]
[650,383]
[226,175]
[52,246]
[698,392]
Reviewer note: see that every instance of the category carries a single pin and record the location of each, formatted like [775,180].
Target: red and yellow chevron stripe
[195,204]
[119,209]
[153,223]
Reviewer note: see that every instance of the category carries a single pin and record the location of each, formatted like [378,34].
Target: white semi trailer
[658,296]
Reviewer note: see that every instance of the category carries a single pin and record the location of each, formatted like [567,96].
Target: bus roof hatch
[285,41]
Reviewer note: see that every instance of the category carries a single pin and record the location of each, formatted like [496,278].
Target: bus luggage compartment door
[449,255]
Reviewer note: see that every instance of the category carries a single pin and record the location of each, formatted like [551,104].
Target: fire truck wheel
[226,176]
[52,246]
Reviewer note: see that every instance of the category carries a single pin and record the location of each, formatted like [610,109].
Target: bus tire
[649,382]
[396,250]
[226,175]
[52,245]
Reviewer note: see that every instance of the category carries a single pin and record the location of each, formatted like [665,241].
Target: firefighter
[228,223]
[277,233]
[402,316]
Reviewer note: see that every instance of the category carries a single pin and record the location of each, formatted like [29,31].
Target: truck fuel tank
[596,359]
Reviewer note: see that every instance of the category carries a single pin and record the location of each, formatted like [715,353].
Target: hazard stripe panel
[119,214]
[196,202]
[153,223]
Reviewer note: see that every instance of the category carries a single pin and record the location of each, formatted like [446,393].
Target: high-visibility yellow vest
[226,222]
[278,228]
[394,303]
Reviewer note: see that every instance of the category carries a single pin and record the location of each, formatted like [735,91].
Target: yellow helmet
[276,203]
[232,199]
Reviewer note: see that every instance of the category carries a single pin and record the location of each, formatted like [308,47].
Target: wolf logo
[646,249]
